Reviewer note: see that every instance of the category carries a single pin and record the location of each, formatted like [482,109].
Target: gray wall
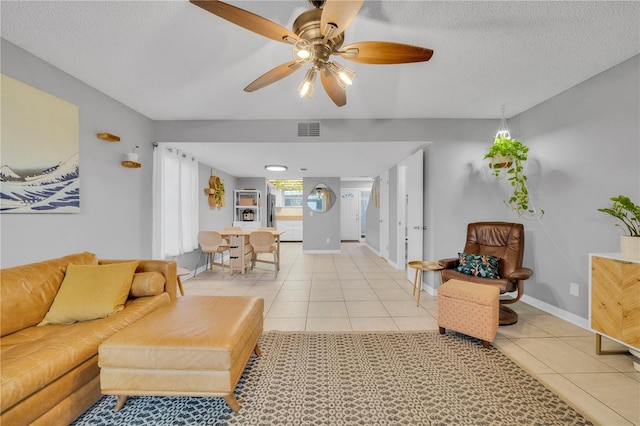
[586,149]
[115,202]
[318,227]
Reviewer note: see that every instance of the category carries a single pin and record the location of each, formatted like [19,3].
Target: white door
[415,207]
[401,231]
[349,215]
[384,215]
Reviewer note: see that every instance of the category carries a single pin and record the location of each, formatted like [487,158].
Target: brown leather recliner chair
[503,240]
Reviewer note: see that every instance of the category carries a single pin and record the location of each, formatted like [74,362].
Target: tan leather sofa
[50,373]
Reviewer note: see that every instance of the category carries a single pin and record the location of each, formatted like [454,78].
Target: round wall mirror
[321,198]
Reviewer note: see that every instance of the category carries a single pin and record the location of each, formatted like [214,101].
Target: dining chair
[211,242]
[263,242]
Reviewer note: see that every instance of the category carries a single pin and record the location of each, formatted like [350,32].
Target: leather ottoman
[196,346]
[469,308]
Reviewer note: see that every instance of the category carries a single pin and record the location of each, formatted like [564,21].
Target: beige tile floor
[357,290]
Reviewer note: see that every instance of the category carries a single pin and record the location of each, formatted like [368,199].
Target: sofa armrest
[168,268]
[449,263]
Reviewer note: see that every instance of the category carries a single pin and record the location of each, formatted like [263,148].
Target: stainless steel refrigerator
[271,210]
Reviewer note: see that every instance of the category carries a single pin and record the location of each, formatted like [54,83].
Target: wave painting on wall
[40,168]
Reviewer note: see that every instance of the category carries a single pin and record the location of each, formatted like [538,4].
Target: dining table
[240,249]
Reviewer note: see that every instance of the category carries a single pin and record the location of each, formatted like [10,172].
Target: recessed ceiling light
[275,168]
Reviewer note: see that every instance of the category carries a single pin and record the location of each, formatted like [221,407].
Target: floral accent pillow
[480,265]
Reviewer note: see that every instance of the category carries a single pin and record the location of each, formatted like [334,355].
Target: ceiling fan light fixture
[307,87]
[303,51]
[316,35]
[345,75]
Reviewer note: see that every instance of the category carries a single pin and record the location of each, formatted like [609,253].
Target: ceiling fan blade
[385,52]
[247,20]
[330,83]
[278,73]
[340,13]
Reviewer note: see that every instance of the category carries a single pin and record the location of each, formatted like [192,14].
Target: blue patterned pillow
[480,265]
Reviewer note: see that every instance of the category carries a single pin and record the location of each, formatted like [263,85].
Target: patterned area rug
[417,378]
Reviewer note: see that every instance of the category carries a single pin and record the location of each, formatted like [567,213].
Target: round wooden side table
[420,266]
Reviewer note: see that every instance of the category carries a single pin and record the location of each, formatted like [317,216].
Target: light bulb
[503,130]
[345,75]
[306,88]
[303,52]
[503,134]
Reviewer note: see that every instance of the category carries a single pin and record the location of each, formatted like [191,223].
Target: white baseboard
[200,269]
[543,306]
[394,264]
[557,312]
[431,291]
[375,251]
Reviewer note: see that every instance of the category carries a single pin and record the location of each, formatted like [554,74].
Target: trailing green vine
[507,158]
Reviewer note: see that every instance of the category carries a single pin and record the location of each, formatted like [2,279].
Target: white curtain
[175,202]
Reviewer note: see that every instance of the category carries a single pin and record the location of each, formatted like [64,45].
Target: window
[293,198]
[289,191]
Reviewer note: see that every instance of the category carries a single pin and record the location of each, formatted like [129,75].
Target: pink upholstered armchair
[491,240]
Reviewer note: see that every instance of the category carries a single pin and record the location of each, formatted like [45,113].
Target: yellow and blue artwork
[39,151]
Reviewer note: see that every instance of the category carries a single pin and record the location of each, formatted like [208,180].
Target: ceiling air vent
[308,129]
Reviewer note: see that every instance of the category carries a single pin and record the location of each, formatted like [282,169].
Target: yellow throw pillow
[91,291]
[147,284]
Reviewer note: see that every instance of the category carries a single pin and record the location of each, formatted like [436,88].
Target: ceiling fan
[317,34]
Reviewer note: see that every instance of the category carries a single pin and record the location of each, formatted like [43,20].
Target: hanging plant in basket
[506,159]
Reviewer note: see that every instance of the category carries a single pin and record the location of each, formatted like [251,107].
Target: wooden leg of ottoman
[441,329]
[257,350]
[122,399]
[232,402]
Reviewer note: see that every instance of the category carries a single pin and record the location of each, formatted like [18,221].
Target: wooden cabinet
[615,298]
[247,208]
[292,229]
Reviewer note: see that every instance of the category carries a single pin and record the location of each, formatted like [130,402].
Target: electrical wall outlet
[574,289]
[328,240]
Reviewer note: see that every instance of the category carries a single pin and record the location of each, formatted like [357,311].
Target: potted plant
[507,157]
[625,210]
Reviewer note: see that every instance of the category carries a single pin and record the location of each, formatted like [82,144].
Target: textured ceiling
[171,60]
